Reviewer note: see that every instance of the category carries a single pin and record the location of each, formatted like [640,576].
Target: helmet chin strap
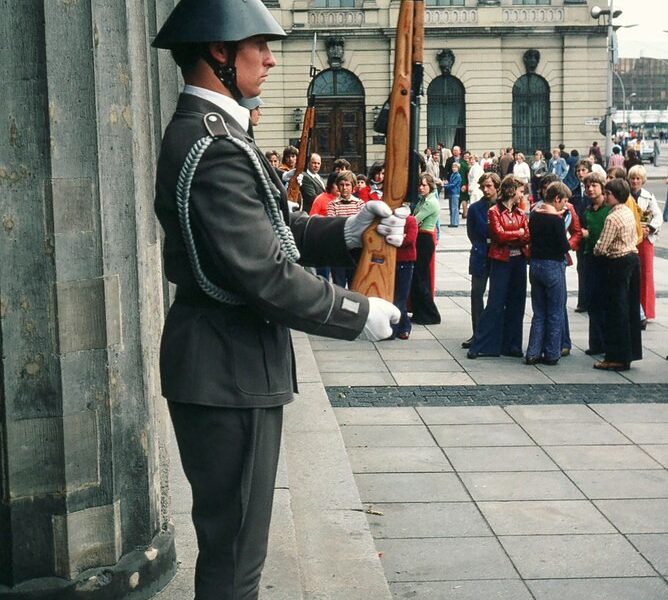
[226,73]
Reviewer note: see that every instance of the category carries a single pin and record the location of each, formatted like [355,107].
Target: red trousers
[647,295]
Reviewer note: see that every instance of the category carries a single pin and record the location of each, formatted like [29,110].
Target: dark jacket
[310,188]
[222,355]
[477,229]
[504,230]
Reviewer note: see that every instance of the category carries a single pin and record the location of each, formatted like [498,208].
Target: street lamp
[596,12]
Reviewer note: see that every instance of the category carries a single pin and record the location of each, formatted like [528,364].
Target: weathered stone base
[139,575]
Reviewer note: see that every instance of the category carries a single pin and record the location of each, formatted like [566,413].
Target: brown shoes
[609,365]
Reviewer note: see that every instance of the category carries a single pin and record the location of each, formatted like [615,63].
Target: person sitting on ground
[617,244]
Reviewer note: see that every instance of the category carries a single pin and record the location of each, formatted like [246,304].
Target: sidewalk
[494,479]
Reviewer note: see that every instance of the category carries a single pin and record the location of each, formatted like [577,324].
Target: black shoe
[590,352]
[467,343]
[549,361]
[532,360]
[474,355]
[515,354]
[643,324]
[580,309]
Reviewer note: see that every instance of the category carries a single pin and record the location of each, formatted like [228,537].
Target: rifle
[376,268]
[294,193]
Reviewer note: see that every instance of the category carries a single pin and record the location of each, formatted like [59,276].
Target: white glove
[293,206]
[382,315]
[391,225]
[300,178]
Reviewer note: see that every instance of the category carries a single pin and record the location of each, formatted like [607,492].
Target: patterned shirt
[341,208]
[618,237]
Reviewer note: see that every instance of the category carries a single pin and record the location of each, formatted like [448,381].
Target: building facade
[526,73]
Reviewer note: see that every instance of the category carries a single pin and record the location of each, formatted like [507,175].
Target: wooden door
[340,133]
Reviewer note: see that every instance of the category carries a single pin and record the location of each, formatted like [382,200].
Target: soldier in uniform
[234,252]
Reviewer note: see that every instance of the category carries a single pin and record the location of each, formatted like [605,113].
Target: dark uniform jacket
[240,356]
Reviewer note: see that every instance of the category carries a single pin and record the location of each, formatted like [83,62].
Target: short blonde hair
[637,171]
[519,155]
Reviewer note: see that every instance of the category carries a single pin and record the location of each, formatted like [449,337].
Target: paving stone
[628,588]
[575,556]
[463,415]
[358,365]
[480,435]
[545,517]
[386,435]
[373,378]
[654,547]
[424,366]
[633,413]
[601,457]
[500,458]
[323,343]
[622,484]
[409,354]
[520,486]
[398,460]
[444,559]
[645,433]
[566,374]
[564,434]
[500,375]
[377,416]
[444,378]
[497,589]
[657,452]
[421,520]
[564,413]
[410,487]
[636,516]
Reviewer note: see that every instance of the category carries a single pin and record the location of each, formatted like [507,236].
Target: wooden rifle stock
[294,193]
[377,265]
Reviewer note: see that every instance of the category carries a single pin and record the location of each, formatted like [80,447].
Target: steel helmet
[200,21]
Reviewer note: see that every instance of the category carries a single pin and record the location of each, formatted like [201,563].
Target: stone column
[83,480]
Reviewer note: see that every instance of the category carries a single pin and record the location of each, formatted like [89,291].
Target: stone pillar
[83,480]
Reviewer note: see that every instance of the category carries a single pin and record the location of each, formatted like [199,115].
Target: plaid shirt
[618,237]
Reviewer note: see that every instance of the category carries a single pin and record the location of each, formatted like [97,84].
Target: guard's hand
[300,178]
[382,315]
[391,226]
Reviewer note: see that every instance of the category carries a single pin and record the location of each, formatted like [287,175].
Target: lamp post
[597,12]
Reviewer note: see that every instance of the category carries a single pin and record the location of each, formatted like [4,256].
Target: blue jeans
[500,328]
[454,210]
[547,297]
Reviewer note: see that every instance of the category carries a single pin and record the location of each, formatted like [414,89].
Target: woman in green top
[426,214]
[594,266]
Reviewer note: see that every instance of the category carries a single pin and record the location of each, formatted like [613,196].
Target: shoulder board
[215,125]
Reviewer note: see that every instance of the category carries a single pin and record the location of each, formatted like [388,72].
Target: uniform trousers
[500,328]
[229,456]
[623,342]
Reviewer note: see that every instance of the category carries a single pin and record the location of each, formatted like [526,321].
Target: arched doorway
[531,114]
[446,112]
[340,130]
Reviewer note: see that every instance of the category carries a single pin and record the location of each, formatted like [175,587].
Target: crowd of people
[517,211]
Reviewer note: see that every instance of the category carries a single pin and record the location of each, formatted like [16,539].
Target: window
[532,2]
[337,82]
[531,114]
[446,112]
[445,2]
[332,3]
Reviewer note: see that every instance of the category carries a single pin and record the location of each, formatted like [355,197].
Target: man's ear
[218,52]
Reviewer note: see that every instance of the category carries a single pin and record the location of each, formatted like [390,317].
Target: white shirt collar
[240,114]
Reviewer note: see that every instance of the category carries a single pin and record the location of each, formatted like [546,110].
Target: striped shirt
[618,237]
[341,208]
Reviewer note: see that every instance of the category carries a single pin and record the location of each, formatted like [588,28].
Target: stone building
[527,73]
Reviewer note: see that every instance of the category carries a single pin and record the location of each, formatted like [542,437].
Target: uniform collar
[230,106]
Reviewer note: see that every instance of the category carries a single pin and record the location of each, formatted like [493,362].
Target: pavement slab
[601,457]
[427,520]
[410,487]
[503,434]
[645,433]
[554,413]
[497,589]
[386,435]
[657,452]
[633,413]
[575,556]
[643,515]
[629,588]
[500,458]
[529,485]
[606,485]
[654,547]
[377,416]
[463,415]
[574,433]
[443,559]
[398,460]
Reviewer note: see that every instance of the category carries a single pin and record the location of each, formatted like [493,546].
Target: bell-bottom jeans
[547,301]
